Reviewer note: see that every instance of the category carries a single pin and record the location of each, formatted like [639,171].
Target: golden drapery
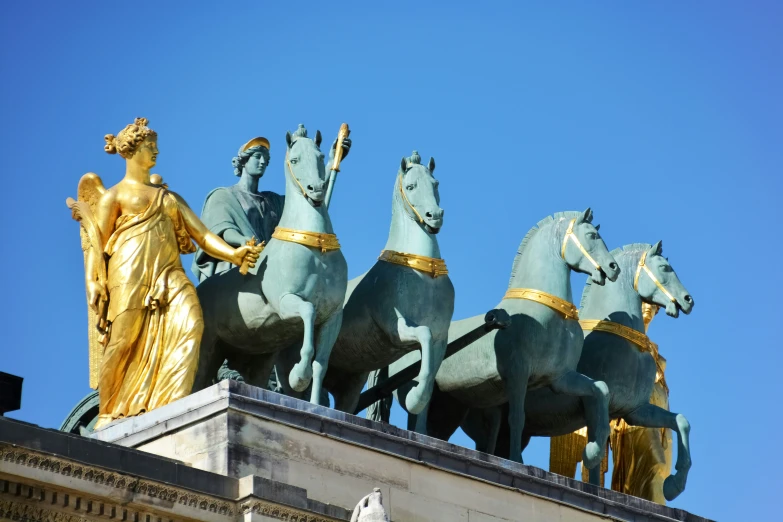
[565,452]
[156,324]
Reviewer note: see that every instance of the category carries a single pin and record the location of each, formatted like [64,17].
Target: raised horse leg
[291,305]
[327,335]
[652,416]
[432,353]
[595,396]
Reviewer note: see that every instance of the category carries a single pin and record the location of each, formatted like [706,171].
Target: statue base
[236,430]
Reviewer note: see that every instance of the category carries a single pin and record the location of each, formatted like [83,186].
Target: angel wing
[89,193]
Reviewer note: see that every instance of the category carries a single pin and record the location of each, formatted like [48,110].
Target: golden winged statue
[145,320]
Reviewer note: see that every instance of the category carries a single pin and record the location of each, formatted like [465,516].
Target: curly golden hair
[128,139]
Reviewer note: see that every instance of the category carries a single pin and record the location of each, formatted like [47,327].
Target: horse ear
[288,139]
[657,249]
[587,216]
[318,139]
[404,164]
[431,165]
[598,227]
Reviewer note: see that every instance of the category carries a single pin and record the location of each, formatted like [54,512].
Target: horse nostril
[613,266]
[310,187]
[428,214]
[688,299]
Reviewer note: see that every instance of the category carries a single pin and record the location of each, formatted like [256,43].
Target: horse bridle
[643,266]
[293,176]
[570,234]
[405,198]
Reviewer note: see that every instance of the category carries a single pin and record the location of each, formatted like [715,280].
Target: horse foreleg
[347,392]
[327,335]
[652,416]
[483,426]
[595,396]
[291,305]
[431,356]
[516,388]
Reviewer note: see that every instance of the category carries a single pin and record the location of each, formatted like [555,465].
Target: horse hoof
[414,403]
[672,487]
[592,455]
[299,379]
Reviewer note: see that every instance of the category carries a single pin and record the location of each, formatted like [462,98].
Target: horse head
[584,250]
[305,165]
[418,193]
[657,283]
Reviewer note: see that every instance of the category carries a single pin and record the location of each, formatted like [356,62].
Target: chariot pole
[338,157]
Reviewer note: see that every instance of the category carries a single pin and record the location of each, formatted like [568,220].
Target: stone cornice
[31,490]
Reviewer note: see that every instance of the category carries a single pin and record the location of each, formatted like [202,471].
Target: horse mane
[569,214]
[620,255]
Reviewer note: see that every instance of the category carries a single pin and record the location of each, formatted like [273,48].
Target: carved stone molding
[37,503]
[281,512]
[29,513]
[113,479]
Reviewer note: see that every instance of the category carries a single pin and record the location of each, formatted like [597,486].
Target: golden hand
[247,254]
[96,292]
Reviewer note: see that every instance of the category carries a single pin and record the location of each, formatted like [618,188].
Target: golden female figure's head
[136,143]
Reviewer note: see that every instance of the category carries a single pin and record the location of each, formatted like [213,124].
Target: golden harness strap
[566,308]
[643,266]
[570,235]
[324,242]
[636,337]
[405,199]
[429,265]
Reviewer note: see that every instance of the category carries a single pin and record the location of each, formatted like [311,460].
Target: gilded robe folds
[156,323]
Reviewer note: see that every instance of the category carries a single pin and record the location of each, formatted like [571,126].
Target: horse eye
[293,161]
[409,187]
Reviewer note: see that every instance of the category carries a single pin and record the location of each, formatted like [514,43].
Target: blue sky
[664,117]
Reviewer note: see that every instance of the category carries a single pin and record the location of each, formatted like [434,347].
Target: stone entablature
[37,485]
[234,429]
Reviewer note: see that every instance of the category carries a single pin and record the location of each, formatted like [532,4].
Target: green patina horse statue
[404,303]
[541,346]
[296,292]
[616,356]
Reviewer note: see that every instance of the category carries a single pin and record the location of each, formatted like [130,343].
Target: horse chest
[628,372]
[320,278]
[395,292]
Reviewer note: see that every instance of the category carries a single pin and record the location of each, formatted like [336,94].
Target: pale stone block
[569,514]
[476,516]
[550,511]
[472,494]
[404,506]
[278,441]
[322,484]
